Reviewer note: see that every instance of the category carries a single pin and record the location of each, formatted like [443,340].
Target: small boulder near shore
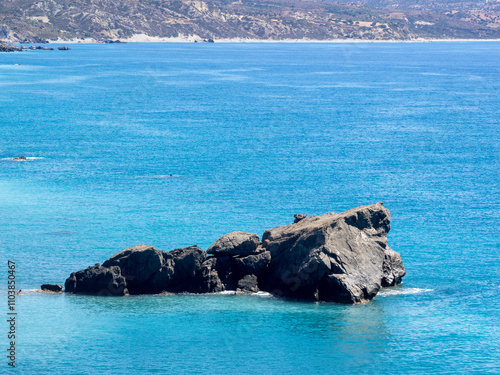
[340,258]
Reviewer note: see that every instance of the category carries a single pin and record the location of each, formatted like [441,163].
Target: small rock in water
[20,158]
[54,288]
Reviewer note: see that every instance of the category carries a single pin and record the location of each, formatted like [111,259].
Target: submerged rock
[334,257]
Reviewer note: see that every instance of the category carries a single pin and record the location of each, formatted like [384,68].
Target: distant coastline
[268,21]
[142,38]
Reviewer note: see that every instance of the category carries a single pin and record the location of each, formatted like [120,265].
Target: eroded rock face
[235,243]
[253,264]
[137,265]
[248,284]
[179,272]
[393,269]
[208,276]
[334,257]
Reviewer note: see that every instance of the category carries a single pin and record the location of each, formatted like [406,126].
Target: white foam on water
[262,294]
[30,291]
[402,291]
[227,292]
[28,158]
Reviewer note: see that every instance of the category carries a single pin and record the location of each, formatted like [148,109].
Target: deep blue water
[252,133]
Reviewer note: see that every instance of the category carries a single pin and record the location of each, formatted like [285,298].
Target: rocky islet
[333,257]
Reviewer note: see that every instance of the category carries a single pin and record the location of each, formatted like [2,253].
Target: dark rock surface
[55,288]
[209,279]
[253,264]
[97,280]
[8,48]
[235,243]
[217,275]
[248,284]
[334,257]
[20,158]
[139,266]
[299,217]
[179,271]
[63,48]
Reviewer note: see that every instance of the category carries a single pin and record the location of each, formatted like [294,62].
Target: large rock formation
[334,257]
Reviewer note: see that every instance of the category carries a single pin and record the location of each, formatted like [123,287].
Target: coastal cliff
[333,257]
[196,20]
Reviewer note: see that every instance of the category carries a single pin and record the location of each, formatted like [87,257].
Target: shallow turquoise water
[252,133]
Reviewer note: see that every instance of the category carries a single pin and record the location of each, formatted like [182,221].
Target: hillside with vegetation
[37,21]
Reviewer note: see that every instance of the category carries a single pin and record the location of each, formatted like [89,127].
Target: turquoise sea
[251,134]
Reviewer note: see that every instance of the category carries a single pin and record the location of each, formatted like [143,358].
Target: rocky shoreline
[13,48]
[333,257]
